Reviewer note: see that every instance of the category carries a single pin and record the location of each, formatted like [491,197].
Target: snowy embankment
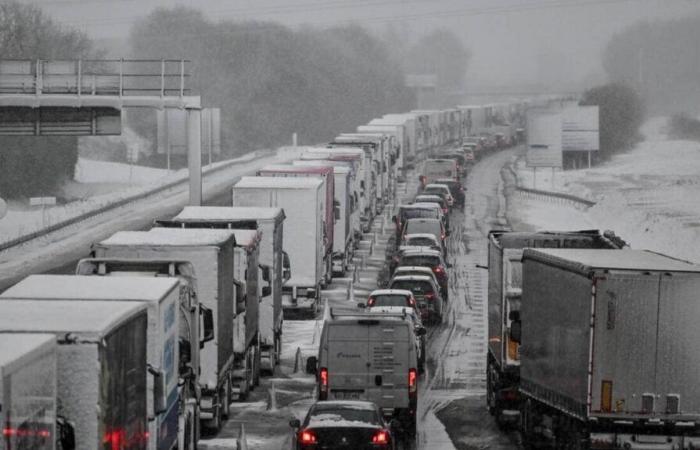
[650,196]
[97,184]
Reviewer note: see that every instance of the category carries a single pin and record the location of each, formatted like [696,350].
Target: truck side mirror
[265,272]
[286,266]
[515,331]
[514,315]
[336,212]
[361,305]
[66,433]
[158,390]
[311,363]
[207,325]
[295,423]
[266,291]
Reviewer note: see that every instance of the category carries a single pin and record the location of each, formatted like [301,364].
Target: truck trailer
[274,271]
[195,329]
[300,198]
[161,297]
[101,366]
[505,250]
[609,350]
[28,391]
[211,254]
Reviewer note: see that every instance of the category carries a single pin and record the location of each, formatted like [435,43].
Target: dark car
[427,258]
[342,425]
[426,293]
[413,212]
[456,189]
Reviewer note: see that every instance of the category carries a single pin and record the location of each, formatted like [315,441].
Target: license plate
[347,395]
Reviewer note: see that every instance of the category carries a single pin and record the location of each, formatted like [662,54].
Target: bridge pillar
[194,155]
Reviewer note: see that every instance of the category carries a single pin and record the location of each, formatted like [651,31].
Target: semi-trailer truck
[609,350]
[505,249]
[211,254]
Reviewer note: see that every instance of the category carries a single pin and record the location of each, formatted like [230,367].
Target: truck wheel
[225,397]
[257,363]
[213,425]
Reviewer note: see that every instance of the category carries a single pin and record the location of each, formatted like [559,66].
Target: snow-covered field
[650,196]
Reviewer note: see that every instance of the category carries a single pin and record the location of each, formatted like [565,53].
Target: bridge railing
[113,77]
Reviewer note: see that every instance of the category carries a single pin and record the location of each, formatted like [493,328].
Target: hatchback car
[456,189]
[429,198]
[426,226]
[427,258]
[421,240]
[441,190]
[426,292]
[415,211]
[342,424]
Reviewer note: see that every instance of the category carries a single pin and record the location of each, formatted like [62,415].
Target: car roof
[414,269]
[391,292]
[423,220]
[421,251]
[428,205]
[412,278]
[440,185]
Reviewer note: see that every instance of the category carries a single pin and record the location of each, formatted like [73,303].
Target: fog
[523,44]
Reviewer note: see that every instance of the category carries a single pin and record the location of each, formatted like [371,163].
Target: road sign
[42,201]
[544,139]
[580,129]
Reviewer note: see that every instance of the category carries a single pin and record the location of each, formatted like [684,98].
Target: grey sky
[511,41]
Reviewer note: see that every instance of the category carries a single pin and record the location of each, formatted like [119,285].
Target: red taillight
[23,432]
[412,301]
[307,437]
[438,269]
[444,210]
[370,302]
[323,378]
[443,236]
[114,439]
[430,296]
[7,432]
[412,381]
[380,437]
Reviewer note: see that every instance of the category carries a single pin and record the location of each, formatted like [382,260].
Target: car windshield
[420,226]
[418,287]
[335,413]
[388,300]
[420,260]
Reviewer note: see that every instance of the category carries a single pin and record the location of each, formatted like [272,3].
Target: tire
[225,397]
[257,366]
[213,425]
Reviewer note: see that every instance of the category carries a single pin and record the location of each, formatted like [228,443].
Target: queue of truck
[159,331]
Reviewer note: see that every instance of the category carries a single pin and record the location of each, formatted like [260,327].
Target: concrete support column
[194,155]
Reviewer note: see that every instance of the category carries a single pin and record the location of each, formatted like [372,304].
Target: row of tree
[271,81]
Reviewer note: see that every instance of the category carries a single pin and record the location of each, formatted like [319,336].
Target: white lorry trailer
[347,217]
[101,368]
[270,222]
[300,198]
[370,356]
[211,254]
[505,251]
[28,391]
[161,296]
[196,329]
[378,146]
[609,350]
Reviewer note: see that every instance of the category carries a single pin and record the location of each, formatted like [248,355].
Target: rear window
[415,286]
[421,242]
[418,214]
[420,260]
[334,413]
[388,300]
[434,191]
[414,227]
[440,201]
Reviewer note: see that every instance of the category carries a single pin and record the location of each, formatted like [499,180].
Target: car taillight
[307,437]
[323,378]
[370,302]
[380,437]
[444,210]
[438,269]
[412,301]
[443,236]
[412,381]
[430,296]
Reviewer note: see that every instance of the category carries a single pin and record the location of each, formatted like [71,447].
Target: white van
[370,356]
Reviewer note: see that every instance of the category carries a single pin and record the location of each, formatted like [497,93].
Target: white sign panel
[544,137]
[580,129]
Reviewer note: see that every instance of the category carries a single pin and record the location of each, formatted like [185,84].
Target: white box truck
[195,328]
[274,262]
[161,296]
[211,255]
[348,218]
[28,391]
[300,198]
[370,356]
[376,146]
[101,367]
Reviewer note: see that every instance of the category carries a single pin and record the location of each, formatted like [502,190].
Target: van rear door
[389,348]
[348,360]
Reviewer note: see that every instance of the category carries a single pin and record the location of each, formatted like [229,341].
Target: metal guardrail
[92,77]
[549,195]
[119,203]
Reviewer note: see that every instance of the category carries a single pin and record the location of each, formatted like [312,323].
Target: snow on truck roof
[247,238]
[586,260]
[278,182]
[290,168]
[85,287]
[170,237]
[95,319]
[322,163]
[228,213]
[15,346]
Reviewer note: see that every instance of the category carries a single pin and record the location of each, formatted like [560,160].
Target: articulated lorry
[378,145]
[161,296]
[347,216]
[211,254]
[373,164]
[101,365]
[28,391]
[274,270]
[609,353]
[195,329]
[300,198]
[329,204]
[505,250]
